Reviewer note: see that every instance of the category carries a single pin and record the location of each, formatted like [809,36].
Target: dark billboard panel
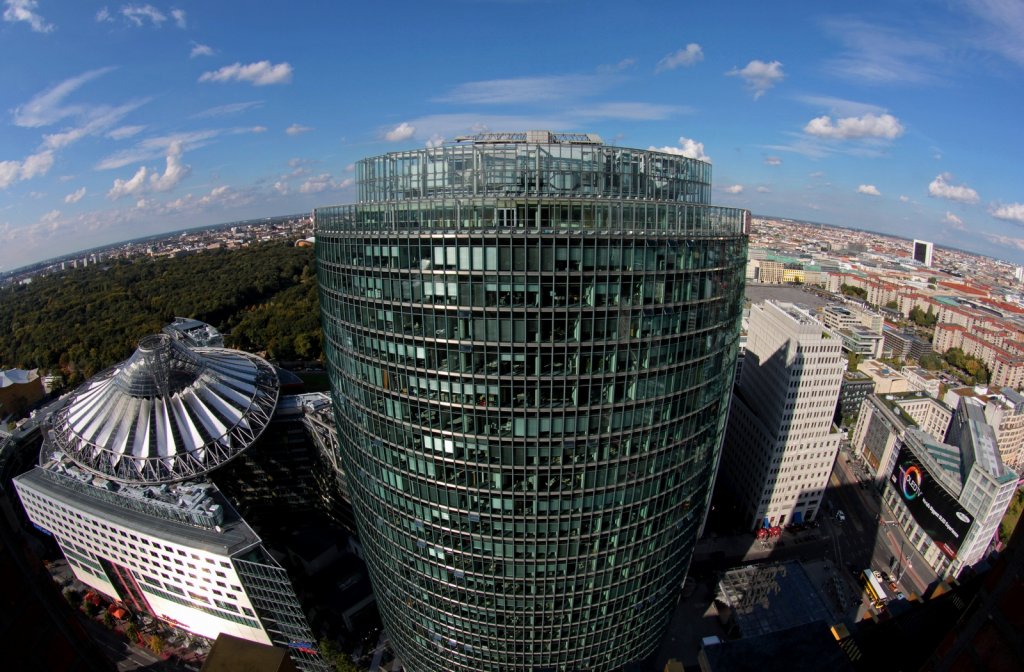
[936,512]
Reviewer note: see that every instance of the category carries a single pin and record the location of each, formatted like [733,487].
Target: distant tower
[923,252]
[779,445]
[531,339]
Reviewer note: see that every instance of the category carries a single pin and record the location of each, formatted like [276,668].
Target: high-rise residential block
[531,339]
[781,441]
[923,251]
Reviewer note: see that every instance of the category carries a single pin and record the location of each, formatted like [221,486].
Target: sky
[125,120]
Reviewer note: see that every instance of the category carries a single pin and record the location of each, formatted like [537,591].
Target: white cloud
[139,14]
[261,73]
[773,161]
[350,168]
[435,140]
[941,188]
[129,187]
[257,129]
[527,89]
[953,221]
[36,165]
[174,173]
[228,110]
[759,76]
[904,199]
[200,50]
[9,173]
[179,18]
[1005,241]
[851,128]
[841,106]
[1011,212]
[763,190]
[281,188]
[323,182]
[75,196]
[151,148]
[403,131]
[50,217]
[96,120]
[123,132]
[868,189]
[46,108]
[876,53]
[687,147]
[733,189]
[297,129]
[24,11]
[689,55]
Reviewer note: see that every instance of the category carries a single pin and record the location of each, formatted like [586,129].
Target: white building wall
[791,380]
[192,587]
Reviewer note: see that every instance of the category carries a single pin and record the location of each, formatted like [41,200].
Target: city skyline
[129,120]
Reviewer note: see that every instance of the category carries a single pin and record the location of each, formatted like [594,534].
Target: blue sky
[124,120]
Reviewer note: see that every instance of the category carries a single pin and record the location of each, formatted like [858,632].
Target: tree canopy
[85,320]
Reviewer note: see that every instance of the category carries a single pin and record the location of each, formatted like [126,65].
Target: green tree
[853,360]
[892,305]
[854,291]
[931,362]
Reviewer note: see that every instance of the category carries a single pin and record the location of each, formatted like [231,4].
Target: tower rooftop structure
[168,413]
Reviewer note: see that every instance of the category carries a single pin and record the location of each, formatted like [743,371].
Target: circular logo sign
[911,482]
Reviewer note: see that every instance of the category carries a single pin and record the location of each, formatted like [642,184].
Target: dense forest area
[263,298]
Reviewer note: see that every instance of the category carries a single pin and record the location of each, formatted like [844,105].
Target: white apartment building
[780,444]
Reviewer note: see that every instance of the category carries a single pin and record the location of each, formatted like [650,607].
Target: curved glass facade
[531,349]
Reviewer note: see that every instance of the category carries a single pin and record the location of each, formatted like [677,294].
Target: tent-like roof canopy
[168,413]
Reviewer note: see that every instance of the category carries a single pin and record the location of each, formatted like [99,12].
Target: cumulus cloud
[261,73]
[687,147]
[940,187]
[1011,212]
[689,55]
[436,140]
[297,129]
[281,188]
[75,196]
[953,221]
[773,161]
[103,16]
[904,199]
[763,190]
[36,165]
[868,189]
[50,217]
[174,172]
[179,18]
[139,14]
[24,11]
[759,76]
[403,131]
[200,50]
[133,185]
[851,128]
[733,189]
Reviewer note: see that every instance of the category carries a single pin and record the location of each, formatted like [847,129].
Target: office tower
[122,487]
[531,339]
[923,252]
[780,444]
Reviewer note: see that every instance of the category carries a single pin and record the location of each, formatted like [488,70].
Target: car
[900,595]
[878,575]
[840,516]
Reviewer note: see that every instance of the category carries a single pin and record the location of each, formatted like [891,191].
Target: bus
[873,588]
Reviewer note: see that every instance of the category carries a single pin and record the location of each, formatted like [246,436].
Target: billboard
[936,512]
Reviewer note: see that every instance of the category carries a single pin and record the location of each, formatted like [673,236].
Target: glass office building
[531,339]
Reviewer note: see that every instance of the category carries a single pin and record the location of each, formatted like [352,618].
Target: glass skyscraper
[531,339]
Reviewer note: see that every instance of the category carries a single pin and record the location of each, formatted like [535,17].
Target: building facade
[122,487]
[923,251]
[781,442]
[531,339]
